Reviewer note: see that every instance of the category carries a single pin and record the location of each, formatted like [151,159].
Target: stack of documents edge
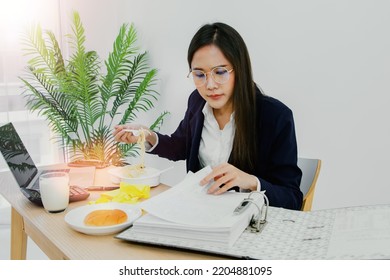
[187,213]
[222,234]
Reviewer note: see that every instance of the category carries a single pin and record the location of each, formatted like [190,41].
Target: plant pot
[85,163]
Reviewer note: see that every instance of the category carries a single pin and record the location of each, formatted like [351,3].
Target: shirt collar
[208,112]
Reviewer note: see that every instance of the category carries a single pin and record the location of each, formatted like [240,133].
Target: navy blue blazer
[277,168]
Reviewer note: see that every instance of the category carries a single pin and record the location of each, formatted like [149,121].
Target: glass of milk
[54,188]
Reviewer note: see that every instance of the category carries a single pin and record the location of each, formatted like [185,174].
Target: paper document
[188,203]
[361,234]
[186,213]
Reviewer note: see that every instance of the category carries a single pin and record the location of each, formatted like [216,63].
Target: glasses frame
[211,75]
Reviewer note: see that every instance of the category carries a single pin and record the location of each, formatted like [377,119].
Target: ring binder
[291,234]
[257,222]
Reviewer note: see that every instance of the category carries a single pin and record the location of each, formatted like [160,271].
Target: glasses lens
[220,75]
[199,77]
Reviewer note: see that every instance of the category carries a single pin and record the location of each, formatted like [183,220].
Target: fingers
[224,177]
[117,129]
[215,174]
[227,176]
[124,136]
[223,184]
[121,134]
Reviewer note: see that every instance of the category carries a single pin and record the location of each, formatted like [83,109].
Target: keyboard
[77,193]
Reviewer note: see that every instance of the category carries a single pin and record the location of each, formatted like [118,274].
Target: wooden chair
[310,171]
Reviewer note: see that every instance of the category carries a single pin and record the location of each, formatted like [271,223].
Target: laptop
[24,170]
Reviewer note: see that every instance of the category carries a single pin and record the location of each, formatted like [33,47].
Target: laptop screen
[16,155]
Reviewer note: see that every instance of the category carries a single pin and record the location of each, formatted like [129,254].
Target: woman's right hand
[121,135]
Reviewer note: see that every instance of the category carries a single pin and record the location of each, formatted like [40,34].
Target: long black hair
[230,42]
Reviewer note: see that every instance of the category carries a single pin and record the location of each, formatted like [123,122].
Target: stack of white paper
[187,212]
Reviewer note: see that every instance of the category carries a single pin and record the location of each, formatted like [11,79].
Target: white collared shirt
[215,143]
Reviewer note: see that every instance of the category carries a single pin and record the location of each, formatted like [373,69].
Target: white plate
[75,218]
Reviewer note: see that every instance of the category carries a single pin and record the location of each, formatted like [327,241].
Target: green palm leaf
[78,100]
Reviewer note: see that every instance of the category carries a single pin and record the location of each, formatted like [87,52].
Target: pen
[102,188]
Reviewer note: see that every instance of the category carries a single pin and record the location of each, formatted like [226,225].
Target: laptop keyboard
[35,195]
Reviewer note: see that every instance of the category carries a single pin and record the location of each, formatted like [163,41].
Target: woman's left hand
[227,176]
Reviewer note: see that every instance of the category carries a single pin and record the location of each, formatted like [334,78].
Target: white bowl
[150,176]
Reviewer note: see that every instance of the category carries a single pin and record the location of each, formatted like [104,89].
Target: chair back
[310,171]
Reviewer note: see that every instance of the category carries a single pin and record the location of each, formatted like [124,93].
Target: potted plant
[80,103]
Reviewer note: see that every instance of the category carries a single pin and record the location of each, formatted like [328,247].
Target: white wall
[329,61]
[15,17]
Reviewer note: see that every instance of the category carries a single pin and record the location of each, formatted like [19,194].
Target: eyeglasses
[219,75]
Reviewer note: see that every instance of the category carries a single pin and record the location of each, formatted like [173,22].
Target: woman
[246,137]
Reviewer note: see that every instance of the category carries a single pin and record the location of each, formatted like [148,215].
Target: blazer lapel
[196,127]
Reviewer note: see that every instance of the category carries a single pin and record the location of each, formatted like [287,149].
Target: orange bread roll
[105,217]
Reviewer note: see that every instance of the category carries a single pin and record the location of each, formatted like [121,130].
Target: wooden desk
[58,241]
